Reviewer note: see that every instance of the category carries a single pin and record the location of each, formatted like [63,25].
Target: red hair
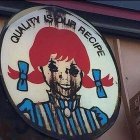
[62,42]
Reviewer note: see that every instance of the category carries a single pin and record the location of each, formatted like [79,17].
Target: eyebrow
[73,64]
[52,60]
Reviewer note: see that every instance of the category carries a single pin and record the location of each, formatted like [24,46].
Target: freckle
[60,76]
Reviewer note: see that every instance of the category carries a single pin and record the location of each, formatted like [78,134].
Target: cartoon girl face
[63,77]
[46,53]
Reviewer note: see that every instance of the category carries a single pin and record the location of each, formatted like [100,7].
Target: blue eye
[73,70]
[52,66]
[67,71]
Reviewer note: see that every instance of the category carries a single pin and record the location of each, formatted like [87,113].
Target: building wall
[120,130]
[126,51]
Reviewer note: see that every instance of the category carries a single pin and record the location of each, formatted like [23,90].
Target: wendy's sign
[59,73]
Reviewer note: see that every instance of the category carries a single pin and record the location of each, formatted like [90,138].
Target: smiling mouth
[65,86]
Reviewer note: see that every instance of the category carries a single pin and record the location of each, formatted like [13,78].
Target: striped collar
[70,103]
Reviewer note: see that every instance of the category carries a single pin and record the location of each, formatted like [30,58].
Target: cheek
[76,80]
[48,77]
[47,74]
[46,71]
[53,77]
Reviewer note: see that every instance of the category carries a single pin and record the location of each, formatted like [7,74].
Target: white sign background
[12,52]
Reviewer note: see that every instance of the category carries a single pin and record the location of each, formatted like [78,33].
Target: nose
[65,75]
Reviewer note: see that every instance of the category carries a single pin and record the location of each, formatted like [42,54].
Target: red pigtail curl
[13,73]
[106,81]
[36,77]
[87,82]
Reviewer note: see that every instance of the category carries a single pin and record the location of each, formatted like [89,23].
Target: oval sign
[59,73]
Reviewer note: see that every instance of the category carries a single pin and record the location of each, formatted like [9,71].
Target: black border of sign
[116,111]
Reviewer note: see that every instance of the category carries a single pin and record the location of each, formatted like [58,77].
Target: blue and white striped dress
[64,117]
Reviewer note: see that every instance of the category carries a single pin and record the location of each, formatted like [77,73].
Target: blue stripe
[27,106]
[73,125]
[70,104]
[100,115]
[90,120]
[62,122]
[80,120]
[47,109]
[32,115]
[62,104]
[38,116]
